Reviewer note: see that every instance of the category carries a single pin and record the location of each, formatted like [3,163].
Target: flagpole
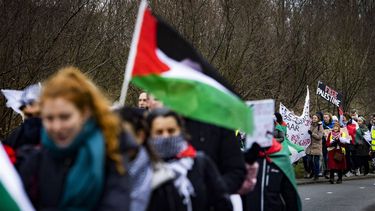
[132,53]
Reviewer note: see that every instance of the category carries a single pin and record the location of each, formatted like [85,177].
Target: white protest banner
[263,111]
[298,127]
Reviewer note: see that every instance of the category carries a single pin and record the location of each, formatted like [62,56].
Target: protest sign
[263,111]
[329,94]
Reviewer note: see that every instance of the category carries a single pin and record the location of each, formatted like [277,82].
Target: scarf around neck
[84,181]
[180,159]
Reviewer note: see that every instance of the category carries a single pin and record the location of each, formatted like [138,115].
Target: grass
[298,169]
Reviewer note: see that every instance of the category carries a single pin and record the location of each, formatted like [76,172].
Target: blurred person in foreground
[276,187]
[79,165]
[25,102]
[154,103]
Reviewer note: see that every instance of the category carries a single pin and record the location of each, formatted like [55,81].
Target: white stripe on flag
[12,183]
[295,155]
[181,71]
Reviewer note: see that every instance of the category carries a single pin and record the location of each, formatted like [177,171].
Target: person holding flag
[276,187]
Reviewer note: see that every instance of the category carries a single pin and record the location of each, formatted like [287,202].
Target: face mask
[168,147]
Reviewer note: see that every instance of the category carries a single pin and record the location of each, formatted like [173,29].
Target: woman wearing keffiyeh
[196,179]
[336,141]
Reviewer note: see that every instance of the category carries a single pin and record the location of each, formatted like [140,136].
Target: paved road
[351,195]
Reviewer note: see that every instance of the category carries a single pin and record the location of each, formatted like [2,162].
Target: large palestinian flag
[12,195]
[162,63]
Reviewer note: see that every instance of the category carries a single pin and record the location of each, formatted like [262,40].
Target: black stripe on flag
[171,43]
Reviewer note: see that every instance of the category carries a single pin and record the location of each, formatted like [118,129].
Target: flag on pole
[162,63]
[12,194]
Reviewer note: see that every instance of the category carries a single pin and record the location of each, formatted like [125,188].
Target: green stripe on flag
[199,101]
[6,201]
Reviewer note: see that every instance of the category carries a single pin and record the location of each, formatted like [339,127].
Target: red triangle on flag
[146,61]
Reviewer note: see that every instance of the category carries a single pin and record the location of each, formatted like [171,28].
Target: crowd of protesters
[74,152]
[342,146]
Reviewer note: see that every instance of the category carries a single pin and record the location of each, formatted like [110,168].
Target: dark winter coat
[43,176]
[361,146]
[28,133]
[279,194]
[207,182]
[166,198]
[209,188]
[221,146]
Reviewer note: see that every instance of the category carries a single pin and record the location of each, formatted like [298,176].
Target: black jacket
[28,133]
[166,198]
[210,190]
[43,176]
[223,148]
[206,181]
[278,192]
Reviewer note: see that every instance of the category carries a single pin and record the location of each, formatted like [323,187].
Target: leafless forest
[264,48]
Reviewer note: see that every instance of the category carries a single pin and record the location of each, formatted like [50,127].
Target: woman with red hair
[79,165]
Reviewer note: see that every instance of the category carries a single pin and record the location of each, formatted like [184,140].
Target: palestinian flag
[12,195]
[162,63]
